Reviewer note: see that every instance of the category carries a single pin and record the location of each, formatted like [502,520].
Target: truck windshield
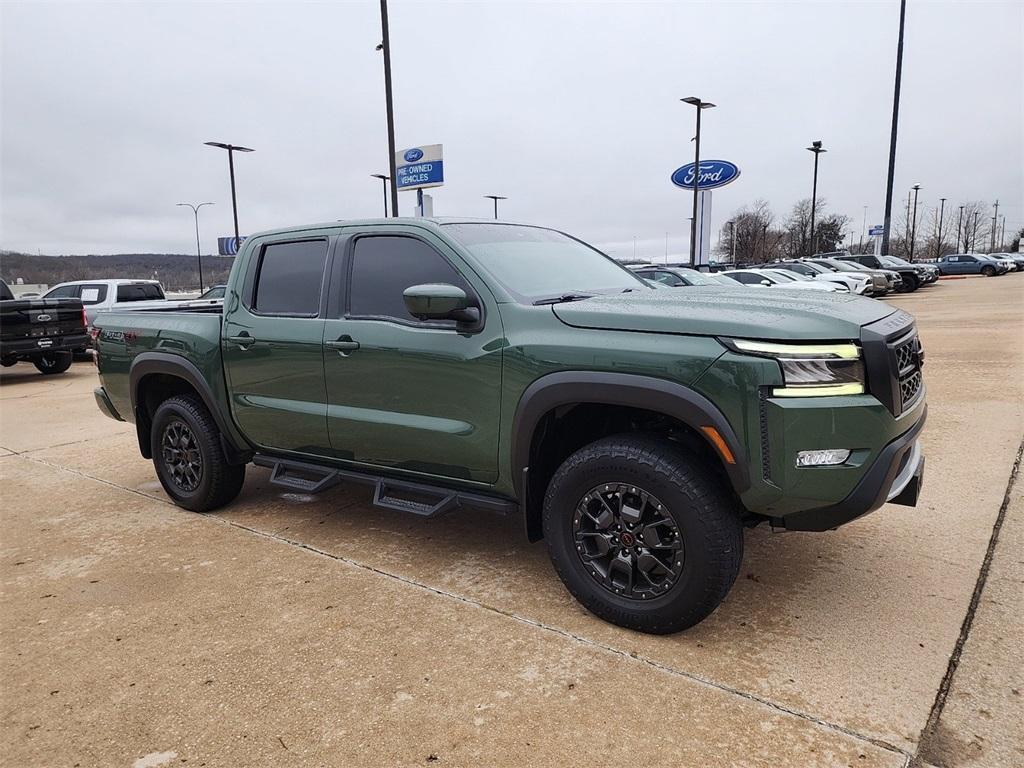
[533,263]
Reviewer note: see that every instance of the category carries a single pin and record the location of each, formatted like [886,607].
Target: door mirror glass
[439,301]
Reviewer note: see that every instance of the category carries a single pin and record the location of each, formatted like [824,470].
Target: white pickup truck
[107,295]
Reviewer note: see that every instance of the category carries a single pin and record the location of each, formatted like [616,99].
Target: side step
[421,499]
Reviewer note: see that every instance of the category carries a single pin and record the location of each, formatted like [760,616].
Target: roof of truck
[427,222]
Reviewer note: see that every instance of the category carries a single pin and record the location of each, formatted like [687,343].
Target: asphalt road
[297,630]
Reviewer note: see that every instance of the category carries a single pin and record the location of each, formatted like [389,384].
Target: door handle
[344,345]
[243,340]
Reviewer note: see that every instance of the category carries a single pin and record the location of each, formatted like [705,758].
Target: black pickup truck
[43,332]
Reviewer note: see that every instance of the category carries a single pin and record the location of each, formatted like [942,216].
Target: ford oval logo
[412,155]
[713,174]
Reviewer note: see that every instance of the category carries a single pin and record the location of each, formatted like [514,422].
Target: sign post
[420,168]
[713,174]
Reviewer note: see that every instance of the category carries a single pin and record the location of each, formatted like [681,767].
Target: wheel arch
[559,392]
[156,376]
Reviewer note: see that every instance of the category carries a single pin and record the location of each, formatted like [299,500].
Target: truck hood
[723,311]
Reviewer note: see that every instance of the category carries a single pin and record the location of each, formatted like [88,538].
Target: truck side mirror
[766,283]
[440,301]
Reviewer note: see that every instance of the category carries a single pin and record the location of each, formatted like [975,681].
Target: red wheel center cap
[628,539]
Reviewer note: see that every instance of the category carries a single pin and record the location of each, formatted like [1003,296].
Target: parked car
[971,264]
[44,332]
[912,276]
[1011,265]
[776,278]
[675,277]
[214,295]
[513,368]
[1016,258]
[882,280]
[857,283]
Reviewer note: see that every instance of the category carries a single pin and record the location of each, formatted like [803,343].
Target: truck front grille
[893,358]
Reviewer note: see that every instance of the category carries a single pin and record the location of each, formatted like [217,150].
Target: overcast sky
[570,109]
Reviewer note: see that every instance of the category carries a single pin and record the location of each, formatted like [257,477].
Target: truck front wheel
[642,533]
[189,458]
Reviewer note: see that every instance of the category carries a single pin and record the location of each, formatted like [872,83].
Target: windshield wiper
[567,296]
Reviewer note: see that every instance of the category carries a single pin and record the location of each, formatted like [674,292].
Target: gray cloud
[571,110]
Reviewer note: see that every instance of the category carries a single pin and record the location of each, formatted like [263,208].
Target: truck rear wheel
[910,284]
[50,363]
[642,533]
[189,458]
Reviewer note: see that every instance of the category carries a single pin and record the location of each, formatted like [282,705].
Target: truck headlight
[810,370]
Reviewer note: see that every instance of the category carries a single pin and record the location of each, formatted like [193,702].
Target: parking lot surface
[297,630]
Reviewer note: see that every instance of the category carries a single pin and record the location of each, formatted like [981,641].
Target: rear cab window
[129,292]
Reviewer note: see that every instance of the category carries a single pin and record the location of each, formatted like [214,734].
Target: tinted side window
[139,292]
[383,267]
[749,278]
[63,292]
[290,277]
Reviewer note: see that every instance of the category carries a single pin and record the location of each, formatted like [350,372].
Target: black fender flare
[168,364]
[647,392]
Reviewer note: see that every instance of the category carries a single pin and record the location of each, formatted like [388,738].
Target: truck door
[403,393]
[272,342]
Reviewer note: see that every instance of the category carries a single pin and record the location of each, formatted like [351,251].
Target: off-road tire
[988,271]
[910,284]
[217,482]
[50,363]
[703,510]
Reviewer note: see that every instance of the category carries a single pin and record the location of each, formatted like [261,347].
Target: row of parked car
[862,275]
[987,264]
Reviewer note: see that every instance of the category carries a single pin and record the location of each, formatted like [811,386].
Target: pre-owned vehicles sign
[419,167]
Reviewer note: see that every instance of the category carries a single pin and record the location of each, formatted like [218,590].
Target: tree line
[177,272]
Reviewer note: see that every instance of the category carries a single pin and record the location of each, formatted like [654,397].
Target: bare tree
[749,226]
[937,243]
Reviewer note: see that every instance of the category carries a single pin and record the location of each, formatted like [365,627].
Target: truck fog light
[826,458]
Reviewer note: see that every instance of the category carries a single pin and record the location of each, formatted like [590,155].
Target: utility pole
[995,221]
[938,239]
[385,46]
[895,125]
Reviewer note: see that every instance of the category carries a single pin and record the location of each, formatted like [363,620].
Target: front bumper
[895,476]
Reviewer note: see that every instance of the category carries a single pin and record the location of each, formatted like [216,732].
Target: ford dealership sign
[412,155]
[713,174]
[419,167]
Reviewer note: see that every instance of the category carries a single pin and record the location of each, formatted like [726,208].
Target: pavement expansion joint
[690,676]
[965,628]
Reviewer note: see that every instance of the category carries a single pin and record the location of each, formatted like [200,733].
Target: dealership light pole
[231,148]
[974,233]
[959,227]
[384,182]
[913,225]
[495,198]
[701,106]
[817,150]
[199,252]
[385,46]
[938,239]
[995,225]
[892,137]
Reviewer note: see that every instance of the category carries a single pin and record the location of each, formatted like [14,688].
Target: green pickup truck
[511,368]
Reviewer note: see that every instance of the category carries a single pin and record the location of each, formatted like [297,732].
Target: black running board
[420,499]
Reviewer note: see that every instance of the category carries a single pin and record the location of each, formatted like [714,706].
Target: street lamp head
[380,176]
[695,101]
[222,145]
[495,197]
[816,147]
[917,186]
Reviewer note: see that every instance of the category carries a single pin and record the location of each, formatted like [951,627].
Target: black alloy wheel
[627,541]
[182,455]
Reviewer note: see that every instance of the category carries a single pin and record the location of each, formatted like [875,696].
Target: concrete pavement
[289,629]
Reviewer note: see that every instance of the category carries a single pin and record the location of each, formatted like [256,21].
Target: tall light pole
[938,239]
[974,233]
[895,124]
[1002,233]
[495,198]
[732,241]
[959,227]
[385,46]
[384,182]
[913,226]
[995,223]
[701,106]
[199,252]
[817,150]
[863,229]
[231,148]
